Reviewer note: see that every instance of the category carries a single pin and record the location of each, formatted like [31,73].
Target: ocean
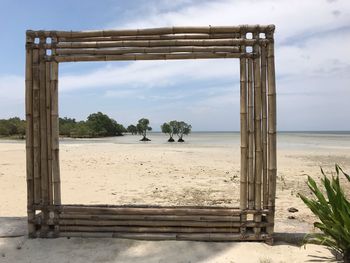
[285,140]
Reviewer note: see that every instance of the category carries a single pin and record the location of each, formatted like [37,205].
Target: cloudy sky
[312,62]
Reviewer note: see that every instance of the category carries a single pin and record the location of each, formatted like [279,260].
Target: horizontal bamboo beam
[120,51]
[150,217]
[156,43]
[160,56]
[159,223]
[150,37]
[151,210]
[155,31]
[152,223]
[170,236]
[162,229]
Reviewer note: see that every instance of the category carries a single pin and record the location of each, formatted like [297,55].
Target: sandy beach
[202,171]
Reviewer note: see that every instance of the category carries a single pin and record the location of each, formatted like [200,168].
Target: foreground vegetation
[332,208]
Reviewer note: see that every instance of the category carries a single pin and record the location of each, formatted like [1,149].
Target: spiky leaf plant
[332,208]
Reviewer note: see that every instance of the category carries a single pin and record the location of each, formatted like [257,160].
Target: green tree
[81,130]
[66,126]
[13,127]
[182,128]
[142,128]
[4,128]
[132,129]
[101,125]
[170,129]
[120,129]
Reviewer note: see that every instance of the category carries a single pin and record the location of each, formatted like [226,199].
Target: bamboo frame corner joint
[253,45]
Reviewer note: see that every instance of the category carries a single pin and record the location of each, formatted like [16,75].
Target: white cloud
[314,53]
[291,17]
[148,74]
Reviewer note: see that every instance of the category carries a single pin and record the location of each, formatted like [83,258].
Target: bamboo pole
[148,223]
[153,31]
[43,138]
[55,135]
[272,158]
[36,127]
[244,136]
[163,229]
[257,131]
[151,217]
[43,127]
[149,211]
[169,236]
[264,125]
[155,43]
[165,56]
[48,122]
[250,137]
[29,138]
[145,50]
[151,37]
[160,223]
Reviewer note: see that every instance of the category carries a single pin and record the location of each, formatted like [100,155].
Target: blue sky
[312,62]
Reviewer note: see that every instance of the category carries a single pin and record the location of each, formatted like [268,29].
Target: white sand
[100,173]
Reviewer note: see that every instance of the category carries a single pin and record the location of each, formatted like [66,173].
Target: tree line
[13,127]
[98,125]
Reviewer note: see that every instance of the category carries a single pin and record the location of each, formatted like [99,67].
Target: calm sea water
[287,140]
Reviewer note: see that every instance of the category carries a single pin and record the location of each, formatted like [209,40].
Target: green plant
[142,128]
[333,210]
[170,128]
[182,128]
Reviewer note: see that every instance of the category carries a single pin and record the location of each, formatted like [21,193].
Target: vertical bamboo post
[55,127]
[257,131]
[244,135]
[36,127]
[29,136]
[48,122]
[264,124]
[250,136]
[43,137]
[272,158]
[55,135]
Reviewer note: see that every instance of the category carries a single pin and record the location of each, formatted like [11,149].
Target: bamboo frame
[253,220]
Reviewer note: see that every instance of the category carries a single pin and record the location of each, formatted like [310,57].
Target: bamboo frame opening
[253,45]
